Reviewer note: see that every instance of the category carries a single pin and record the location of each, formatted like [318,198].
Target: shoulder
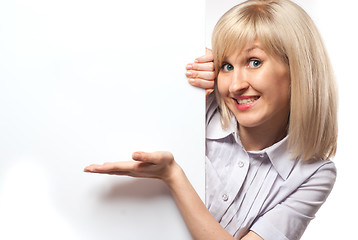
[320,177]
[319,172]
[317,178]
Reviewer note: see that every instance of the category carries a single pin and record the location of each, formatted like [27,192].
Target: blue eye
[254,63]
[227,67]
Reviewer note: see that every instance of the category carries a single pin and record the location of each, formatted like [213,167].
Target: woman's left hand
[149,165]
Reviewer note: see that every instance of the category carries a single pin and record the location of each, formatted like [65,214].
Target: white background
[336,21]
[67,99]
[86,82]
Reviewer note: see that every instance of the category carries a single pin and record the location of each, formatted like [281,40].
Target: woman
[271,128]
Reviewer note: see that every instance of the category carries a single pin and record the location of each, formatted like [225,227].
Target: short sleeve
[288,219]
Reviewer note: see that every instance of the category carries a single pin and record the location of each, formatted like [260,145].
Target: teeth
[246,101]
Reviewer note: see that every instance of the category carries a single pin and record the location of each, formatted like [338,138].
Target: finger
[208,57]
[138,174]
[201,83]
[208,75]
[205,58]
[120,173]
[208,66]
[112,167]
[127,173]
[154,157]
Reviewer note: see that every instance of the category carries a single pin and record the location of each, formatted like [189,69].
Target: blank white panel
[86,82]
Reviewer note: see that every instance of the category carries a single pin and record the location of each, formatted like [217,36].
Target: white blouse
[266,191]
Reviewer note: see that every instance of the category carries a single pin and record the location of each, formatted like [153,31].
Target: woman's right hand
[144,164]
[201,73]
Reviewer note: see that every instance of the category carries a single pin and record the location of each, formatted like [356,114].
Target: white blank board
[86,82]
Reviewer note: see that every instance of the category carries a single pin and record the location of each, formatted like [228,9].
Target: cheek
[285,83]
[275,88]
[279,81]
[281,89]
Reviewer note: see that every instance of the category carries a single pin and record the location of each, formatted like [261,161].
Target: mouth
[244,103]
[246,100]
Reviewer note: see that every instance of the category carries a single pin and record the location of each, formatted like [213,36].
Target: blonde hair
[285,30]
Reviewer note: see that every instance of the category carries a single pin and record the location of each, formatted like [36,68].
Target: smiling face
[255,86]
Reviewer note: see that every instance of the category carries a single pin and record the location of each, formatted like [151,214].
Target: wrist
[174,175]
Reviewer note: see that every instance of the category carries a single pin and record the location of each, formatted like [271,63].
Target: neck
[258,138]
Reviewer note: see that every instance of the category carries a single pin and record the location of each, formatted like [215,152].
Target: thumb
[154,157]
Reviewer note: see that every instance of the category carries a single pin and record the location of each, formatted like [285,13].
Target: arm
[162,165]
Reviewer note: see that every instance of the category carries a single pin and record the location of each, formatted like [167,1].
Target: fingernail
[189,66]
[136,155]
[191,80]
[188,73]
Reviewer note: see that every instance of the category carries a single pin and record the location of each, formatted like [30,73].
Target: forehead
[247,49]
[253,47]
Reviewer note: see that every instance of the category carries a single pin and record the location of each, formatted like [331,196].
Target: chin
[248,120]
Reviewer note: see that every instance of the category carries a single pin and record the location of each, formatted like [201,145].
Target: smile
[245,102]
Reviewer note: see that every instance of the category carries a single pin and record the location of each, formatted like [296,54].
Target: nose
[239,82]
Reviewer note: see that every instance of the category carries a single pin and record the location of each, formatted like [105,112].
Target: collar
[214,129]
[280,157]
[278,153]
